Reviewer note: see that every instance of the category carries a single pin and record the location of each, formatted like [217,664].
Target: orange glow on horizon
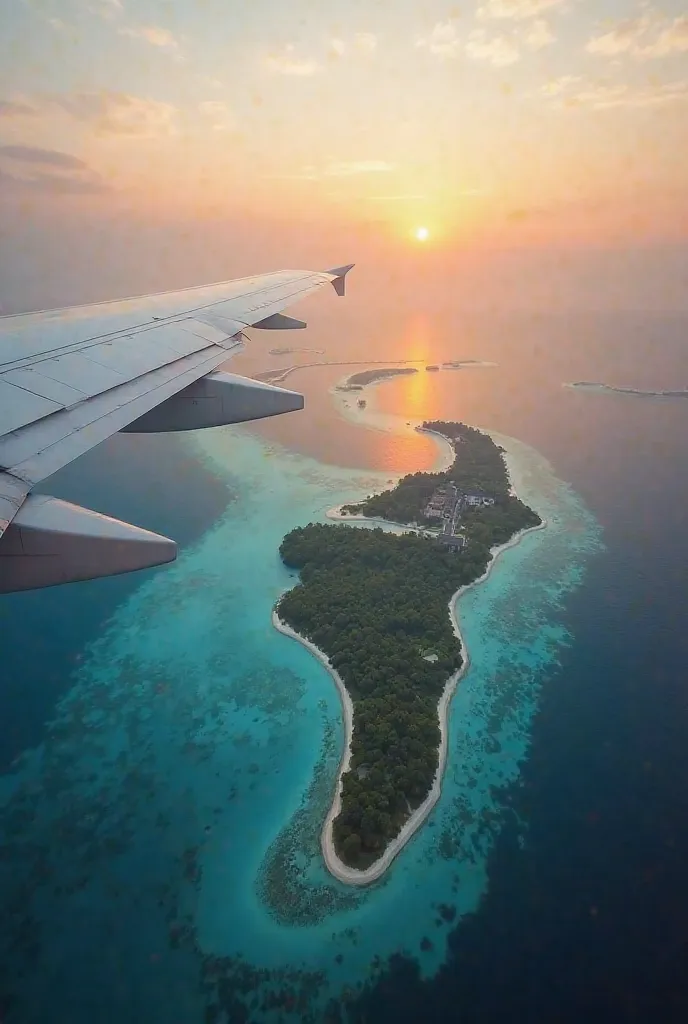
[416,344]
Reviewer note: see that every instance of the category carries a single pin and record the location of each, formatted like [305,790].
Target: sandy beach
[336,514]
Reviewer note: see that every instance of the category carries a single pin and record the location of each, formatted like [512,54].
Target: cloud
[107,9]
[285,62]
[499,51]
[400,197]
[672,39]
[337,169]
[219,113]
[52,184]
[57,24]
[337,47]
[624,37]
[366,42]
[107,112]
[649,36]
[118,113]
[17,108]
[611,96]
[308,174]
[347,168]
[363,43]
[213,107]
[442,41]
[537,35]
[34,155]
[155,35]
[211,82]
[559,85]
[516,9]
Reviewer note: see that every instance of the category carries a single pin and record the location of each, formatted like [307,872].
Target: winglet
[340,277]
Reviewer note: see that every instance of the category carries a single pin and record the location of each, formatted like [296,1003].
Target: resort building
[477,500]
[454,541]
[443,504]
[433,511]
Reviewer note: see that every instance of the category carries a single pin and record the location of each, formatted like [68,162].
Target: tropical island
[359,380]
[379,607]
[290,350]
[280,373]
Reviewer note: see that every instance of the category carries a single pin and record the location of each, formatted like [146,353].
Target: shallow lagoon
[166,836]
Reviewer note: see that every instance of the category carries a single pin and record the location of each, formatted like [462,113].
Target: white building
[433,511]
[477,500]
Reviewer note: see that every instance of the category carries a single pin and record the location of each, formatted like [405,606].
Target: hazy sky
[493,123]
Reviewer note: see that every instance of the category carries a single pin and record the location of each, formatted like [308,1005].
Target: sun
[422,234]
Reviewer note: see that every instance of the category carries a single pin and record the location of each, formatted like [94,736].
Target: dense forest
[377,604]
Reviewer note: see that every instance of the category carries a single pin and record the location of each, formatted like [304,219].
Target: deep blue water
[148,480]
[587,922]
[583,912]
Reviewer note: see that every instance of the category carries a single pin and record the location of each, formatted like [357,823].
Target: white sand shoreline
[345,517]
[335,866]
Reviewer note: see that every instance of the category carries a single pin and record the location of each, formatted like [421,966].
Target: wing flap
[224,332]
[38,384]
[141,354]
[12,495]
[19,407]
[77,370]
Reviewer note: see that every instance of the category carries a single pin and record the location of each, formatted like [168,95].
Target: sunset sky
[504,123]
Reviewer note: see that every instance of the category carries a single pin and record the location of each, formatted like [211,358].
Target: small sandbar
[467,364]
[290,351]
[600,388]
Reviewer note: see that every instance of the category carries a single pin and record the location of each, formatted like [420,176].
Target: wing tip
[339,275]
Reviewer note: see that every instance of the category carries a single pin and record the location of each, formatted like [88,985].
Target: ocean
[168,757]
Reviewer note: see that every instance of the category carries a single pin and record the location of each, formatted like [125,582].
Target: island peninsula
[357,381]
[377,606]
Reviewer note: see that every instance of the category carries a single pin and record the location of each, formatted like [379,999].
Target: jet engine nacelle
[51,541]
[215,400]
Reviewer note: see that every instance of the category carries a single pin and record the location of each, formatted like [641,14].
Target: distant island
[461,364]
[280,373]
[597,386]
[289,351]
[377,607]
[359,380]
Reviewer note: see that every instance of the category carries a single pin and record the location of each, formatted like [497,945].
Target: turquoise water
[189,770]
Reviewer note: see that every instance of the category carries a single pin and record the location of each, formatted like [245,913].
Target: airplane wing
[71,377]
